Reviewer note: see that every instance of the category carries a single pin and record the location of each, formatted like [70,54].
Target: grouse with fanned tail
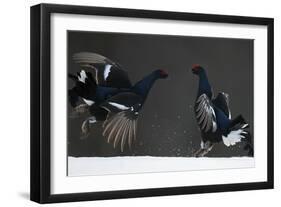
[214,118]
[109,96]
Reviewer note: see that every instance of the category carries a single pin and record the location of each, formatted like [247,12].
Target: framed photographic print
[132,103]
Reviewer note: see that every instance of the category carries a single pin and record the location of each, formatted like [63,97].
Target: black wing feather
[116,78]
[222,102]
[205,114]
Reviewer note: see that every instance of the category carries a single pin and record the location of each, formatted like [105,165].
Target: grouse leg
[79,110]
[85,128]
[205,148]
[198,153]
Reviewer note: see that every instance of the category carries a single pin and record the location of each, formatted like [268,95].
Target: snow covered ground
[85,166]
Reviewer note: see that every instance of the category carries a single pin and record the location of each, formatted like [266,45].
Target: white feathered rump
[234,137]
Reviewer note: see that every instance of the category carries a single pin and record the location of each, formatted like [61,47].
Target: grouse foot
[205,148]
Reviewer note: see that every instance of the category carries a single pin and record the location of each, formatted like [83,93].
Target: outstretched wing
[108,73]
[222,102]
[85,88]
[205,114]
[121,124]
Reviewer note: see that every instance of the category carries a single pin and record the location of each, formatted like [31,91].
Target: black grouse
[214,118]
[109,96]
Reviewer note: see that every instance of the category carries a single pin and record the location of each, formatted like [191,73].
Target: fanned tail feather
[239,134]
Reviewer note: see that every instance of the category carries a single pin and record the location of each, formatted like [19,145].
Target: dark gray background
[167,125]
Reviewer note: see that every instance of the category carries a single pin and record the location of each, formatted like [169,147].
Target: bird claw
[206,148]
[198,153]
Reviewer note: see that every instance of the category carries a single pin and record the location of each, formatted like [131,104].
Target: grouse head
[197,69]
[161,73]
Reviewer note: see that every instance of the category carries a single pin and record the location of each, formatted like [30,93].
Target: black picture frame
[40,102]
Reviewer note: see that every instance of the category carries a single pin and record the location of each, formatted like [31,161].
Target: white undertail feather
[82,77]
[106,71]
[88,102]
[92,120]
[234,137]
[119,106]
[244,126]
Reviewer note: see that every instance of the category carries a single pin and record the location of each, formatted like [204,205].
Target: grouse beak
[195,68]
[164,74]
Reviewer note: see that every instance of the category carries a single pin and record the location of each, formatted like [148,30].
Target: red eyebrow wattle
[195,65]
